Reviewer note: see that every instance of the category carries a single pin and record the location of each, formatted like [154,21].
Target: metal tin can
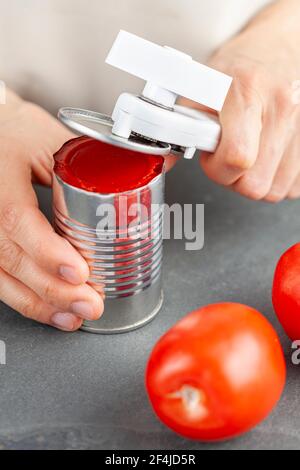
[124,260]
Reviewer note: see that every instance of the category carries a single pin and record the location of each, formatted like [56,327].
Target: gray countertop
[84,391]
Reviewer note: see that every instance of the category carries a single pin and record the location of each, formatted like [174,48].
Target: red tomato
[217,373]
[286,291]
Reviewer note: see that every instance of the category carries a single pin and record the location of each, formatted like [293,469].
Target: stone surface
[83,391]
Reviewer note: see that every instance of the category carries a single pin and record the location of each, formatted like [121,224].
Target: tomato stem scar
[193,400]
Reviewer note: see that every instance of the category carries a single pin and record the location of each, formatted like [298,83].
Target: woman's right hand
[41,275]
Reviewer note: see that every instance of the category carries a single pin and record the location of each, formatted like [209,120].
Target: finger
[256,183]
[241,122]
[23,222]
[294,192]
[82,300]
[29,228]
[170,162]
[287,173]
[25,301]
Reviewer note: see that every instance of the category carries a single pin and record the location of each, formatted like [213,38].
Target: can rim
[81,120]
[110,195]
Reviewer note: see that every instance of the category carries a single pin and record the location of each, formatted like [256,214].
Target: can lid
[99,127]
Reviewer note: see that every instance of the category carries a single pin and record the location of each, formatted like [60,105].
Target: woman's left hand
[259,152]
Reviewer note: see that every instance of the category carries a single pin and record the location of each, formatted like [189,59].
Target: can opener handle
[169,74]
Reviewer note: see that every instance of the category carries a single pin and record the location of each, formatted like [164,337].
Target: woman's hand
[41,275]
[259,152]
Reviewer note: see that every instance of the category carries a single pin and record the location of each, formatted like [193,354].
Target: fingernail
[83,309]
[64,321]
[70,274]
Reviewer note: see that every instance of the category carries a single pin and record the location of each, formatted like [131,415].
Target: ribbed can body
[120,237]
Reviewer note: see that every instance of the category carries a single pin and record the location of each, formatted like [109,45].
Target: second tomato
[216,373]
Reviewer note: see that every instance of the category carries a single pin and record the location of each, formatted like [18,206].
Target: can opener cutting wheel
[152,122]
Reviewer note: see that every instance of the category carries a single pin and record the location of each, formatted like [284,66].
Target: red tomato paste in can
[102,168]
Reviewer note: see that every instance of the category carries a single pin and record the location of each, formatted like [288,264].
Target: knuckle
[16,263]
[50,292]
[253,189]
[284,102]
[247,76]
[257,194]
[11,257]
[238,159]
[5,249]
[275,196]
[9,217]
[247,80]
[28,307]
[39,247]
[294,194]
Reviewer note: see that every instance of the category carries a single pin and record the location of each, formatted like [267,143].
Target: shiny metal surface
[124,264]
[131,307]
[99,127]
